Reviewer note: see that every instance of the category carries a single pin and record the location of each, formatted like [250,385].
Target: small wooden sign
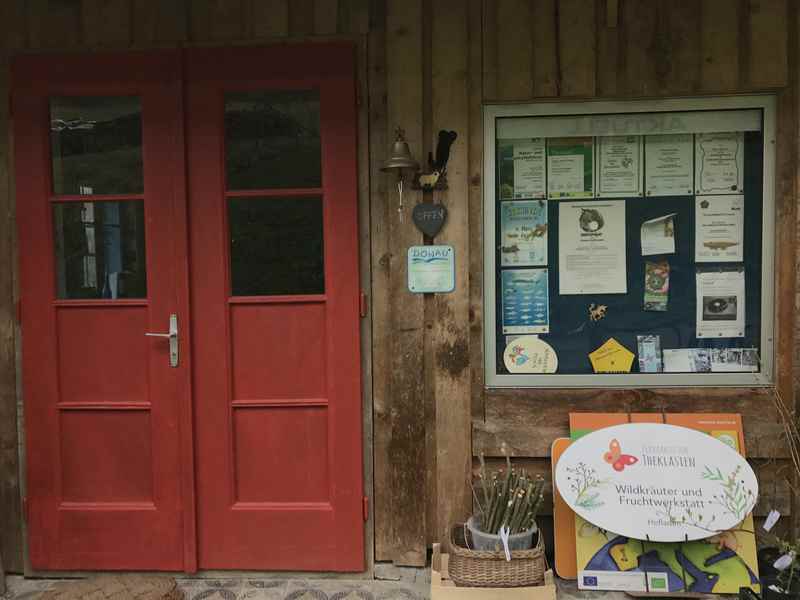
[656,482]
[429,218]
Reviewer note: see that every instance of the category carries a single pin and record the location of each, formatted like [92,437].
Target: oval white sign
[658,482]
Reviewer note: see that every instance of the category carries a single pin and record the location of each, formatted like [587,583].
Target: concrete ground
[406,584]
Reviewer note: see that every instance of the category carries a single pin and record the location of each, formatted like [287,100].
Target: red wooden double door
[190,298]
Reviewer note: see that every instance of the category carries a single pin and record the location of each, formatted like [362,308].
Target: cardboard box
[442,588]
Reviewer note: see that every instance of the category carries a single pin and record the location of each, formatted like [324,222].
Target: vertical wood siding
[431,64]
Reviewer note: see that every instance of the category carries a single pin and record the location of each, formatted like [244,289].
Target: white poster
[529,168]
[720,303]
[619,166]
[669,165]
[719,228]
[719,165]
[523,233]
[658,235]
[591,253]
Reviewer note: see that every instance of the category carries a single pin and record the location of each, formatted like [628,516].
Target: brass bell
[401,155]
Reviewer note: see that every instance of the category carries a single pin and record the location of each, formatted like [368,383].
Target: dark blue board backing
[573,335]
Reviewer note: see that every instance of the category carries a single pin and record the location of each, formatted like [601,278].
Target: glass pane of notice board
[629,243]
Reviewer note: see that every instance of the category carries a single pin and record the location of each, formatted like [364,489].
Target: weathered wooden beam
[326,16]
[107,22]
[514,49]
[576,69]
[380,215]
[268,18]
[450,96]
[10,508]
[719,43]
[768,29]
[406,410]
[301,17]
[475,149]
[526,421]
[546,64]
[54,24]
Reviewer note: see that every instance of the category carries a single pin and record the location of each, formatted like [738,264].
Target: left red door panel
[99,183]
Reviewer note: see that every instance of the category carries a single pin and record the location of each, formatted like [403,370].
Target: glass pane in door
[96,145]
[100,250]
[276,246]
[272,140]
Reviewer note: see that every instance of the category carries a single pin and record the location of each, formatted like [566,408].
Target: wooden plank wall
[650,48]
[431,65]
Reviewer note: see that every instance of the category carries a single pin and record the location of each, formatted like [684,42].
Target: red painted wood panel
[110,336]
[289,362]
[278,487]
[101,405]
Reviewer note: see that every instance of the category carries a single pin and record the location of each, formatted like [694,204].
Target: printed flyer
[591,247]
[523,233]
[669,166]
[720,564]
[526,304]
[658,235]
[656,286]
[619,166]
[720,303]
[529,168]
[719,163]
[570,167]
[719,228]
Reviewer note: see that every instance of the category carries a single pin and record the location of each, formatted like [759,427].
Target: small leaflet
[656,286]
[649,347]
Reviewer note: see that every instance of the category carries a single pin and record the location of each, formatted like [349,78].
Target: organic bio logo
[616,458]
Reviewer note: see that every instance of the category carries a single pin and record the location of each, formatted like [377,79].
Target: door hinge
[366,508]
[18,309]
[362,304]
[25,514]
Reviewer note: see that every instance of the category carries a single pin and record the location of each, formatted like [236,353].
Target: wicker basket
[481,568]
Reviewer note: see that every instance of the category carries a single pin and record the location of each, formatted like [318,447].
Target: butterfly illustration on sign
[616,458]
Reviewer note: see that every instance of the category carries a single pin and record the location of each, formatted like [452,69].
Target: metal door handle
[172,336]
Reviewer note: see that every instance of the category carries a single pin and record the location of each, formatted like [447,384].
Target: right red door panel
[275,312]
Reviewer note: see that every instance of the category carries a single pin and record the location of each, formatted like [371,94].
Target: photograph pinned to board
[521,168]
[719,163]
[570,167]
[619,166]
[525,300]
[719,228]
[591,248]
[656,286]
[669,164]
[687,360]
[530,354]
[720,303]
[523,233]
[611,357]
[649,351]
[734,360]
[658,235]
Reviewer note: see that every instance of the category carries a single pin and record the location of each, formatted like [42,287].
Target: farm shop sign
[656,482]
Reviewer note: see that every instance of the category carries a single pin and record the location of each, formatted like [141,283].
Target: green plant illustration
[585,484]
[734,497]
